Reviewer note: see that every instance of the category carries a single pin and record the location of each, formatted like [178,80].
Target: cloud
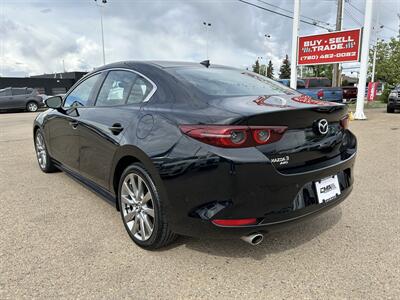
[37,36]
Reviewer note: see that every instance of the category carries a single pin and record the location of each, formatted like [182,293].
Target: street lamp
[101,25]
[207,26]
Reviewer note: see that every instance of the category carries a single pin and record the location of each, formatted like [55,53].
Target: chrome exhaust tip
[253,239]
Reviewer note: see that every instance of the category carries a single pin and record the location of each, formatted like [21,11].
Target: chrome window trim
[115,69]
[140,74]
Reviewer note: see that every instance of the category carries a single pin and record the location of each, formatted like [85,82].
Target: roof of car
[156,63]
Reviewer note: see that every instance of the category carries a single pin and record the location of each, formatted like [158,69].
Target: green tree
[270,70]
[284,71]
[387,67]
[256,67]
[263,70]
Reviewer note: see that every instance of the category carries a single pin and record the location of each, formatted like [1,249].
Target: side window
[19,91]
[116,88]
[140,90]
[80,95]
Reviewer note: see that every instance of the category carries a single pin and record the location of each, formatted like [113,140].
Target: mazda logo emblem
[322,126]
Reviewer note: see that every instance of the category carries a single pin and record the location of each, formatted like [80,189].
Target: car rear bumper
[216,188]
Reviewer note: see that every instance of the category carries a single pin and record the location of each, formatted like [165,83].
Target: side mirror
[54,102]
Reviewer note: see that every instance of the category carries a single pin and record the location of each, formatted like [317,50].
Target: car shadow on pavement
[275,242]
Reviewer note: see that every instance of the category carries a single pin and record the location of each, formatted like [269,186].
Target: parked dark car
[183,148]
[394,100]
[20,99]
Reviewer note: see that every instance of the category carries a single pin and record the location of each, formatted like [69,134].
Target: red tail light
[234,222]
[320,94]
[344,122]
[234,136]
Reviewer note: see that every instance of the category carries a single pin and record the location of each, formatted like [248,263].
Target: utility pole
[339,21]
[295,33]
[359,114]
[377,31]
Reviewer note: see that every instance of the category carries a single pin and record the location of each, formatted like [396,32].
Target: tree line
[284,70]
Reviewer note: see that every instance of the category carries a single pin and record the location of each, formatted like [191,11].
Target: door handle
[116,128]
[73,124]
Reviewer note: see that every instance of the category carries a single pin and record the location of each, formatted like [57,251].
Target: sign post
[359,114]
[295,34]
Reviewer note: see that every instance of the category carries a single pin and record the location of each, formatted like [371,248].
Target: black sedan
[196,149]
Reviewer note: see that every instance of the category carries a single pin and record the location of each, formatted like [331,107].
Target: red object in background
[329,48]
[320,94]
[372,87]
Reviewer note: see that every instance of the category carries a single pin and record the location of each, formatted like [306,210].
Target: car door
[62,126]
[6,100]
[19,97]
[117,105]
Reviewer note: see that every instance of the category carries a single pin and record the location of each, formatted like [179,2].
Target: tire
[43,158]
[144,218]
[390,109]
[32,106]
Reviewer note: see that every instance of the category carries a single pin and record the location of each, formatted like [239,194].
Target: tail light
[234,136]
[234,222]
[320,94]
[344,122]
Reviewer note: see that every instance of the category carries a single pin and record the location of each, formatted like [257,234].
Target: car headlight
[393,94]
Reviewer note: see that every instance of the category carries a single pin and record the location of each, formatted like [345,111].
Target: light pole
[207,26]
[101,25]
[377,31]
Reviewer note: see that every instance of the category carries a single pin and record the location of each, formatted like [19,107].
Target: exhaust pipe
[253,239]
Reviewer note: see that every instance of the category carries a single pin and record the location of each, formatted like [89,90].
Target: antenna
[205,63]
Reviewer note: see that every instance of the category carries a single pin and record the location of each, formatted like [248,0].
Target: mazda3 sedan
[198,149]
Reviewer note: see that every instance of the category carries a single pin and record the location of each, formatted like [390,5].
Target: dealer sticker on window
[327,189]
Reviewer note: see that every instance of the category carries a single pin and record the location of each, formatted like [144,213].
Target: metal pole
[102,34]
[295,33]
[339,18]
[377,27]
[207,25]
[359,114]
[207,41]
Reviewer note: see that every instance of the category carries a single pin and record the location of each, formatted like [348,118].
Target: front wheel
[142,209]
[390,109]
[32,106]
[44,161]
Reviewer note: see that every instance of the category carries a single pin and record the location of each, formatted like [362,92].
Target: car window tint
[140,90]
[80,95]
[116,88]
[229,82]
[19,91]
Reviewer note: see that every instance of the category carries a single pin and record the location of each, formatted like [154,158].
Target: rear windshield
[230,82]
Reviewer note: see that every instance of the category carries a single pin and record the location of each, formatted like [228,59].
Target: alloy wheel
[41,151]
[32,107]
[137,207]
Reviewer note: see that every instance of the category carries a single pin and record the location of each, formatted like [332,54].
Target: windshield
[230,82]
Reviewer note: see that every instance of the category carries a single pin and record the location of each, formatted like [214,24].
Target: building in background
[49,84]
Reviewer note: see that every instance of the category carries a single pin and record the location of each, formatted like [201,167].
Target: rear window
[324,82]
[230,82]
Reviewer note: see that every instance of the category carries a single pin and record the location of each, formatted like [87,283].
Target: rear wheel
[390,109]
[43,158]
[142,209]
[32,106]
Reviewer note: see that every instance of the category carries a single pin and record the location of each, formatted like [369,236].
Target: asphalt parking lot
[59,239]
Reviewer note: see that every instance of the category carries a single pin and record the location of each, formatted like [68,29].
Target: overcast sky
[37,36]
